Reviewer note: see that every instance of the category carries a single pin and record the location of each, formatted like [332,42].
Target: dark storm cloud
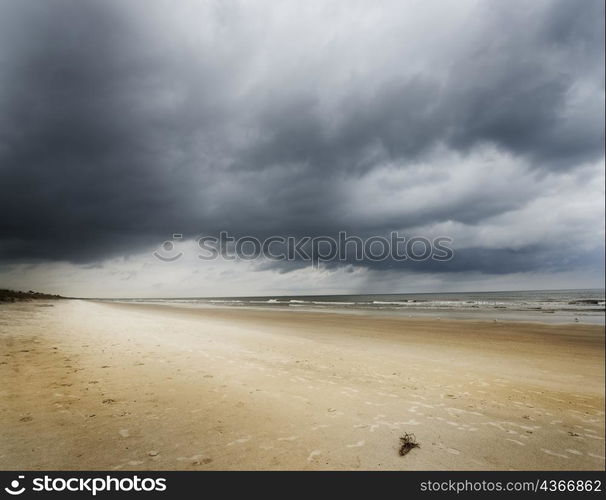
[117,131]
[82,162]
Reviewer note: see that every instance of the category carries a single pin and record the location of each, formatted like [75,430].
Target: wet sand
[92,385]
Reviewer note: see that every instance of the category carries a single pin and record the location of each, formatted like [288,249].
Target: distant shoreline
[16,295]
[553,307]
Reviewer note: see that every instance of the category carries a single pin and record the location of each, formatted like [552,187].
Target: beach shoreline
[542,306]
[126,386]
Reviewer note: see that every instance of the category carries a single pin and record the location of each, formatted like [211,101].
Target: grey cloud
[513,85]
[114,135]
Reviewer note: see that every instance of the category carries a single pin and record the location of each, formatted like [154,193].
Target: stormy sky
[123,122]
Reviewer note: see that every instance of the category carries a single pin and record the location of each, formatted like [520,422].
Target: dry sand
[90,385]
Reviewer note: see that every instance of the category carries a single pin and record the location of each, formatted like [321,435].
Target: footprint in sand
[516,442]
[239,441]
[453,451]
[196,459]
[313,454]
[553,453]
[204,461]
[412,421]
[289,438]
[573,452]
[357,445]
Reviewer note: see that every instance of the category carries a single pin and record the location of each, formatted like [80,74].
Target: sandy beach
[99,385]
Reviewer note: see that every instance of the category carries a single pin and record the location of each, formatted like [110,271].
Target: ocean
[553,306]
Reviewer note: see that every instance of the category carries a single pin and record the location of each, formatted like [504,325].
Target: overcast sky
[123,122]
